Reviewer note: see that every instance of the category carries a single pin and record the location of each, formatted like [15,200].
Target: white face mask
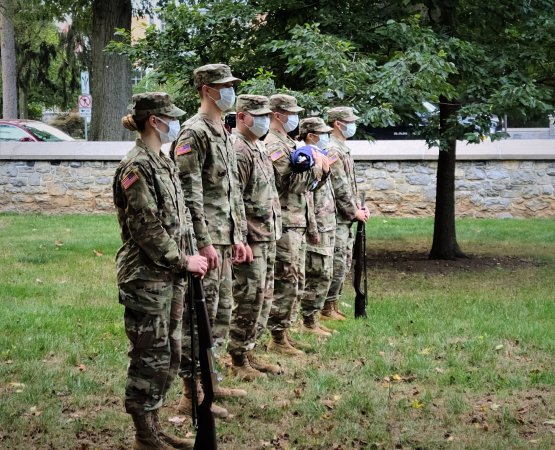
[350,130]
[292,123]
[260,126]
[227,98]
[323,141]
[173,131]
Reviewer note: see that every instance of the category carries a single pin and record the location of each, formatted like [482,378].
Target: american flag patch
[129,179]
[274,156]
[183,149]
[334,158]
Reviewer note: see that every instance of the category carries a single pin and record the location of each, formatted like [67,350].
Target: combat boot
[223,392]
[241,368]
[328,312]
[146,437]
[185,406]
[263,366]
[280,344]
[336,309]
[174,441]
[310,325]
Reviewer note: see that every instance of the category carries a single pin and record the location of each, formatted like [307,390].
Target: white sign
[85,101]
[85,112]
[85,83]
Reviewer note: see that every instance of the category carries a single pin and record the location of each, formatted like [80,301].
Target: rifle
[359,255]
[203,419]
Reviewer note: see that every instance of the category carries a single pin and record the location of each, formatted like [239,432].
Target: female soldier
[151,264]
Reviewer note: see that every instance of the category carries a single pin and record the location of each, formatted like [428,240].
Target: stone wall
[483,188]
[399,188]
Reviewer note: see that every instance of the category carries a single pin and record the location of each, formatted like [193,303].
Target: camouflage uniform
[254,283]
[290,248]
[343,174]
[207,166]
[319,257]
[153,220]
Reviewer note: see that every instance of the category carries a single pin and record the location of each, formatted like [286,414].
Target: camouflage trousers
[288,278]
[253,288]
[219,303]
[318,273]
[153,314]
[342,259]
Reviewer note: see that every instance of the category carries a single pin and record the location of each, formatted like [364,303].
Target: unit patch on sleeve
[183,149]
[129,179]
[275,155]
[333,158]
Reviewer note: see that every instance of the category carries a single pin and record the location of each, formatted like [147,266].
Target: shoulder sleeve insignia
[277,154]
[333,158]
[183,149]
[129,179]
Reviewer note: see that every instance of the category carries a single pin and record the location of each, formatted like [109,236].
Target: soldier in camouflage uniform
[320,244]
[253,285]
[349,209]
[207,166]
[292,188]
[150,265]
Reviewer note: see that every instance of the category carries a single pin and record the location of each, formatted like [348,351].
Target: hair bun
[129,123]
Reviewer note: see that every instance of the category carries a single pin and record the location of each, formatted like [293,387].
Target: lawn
[453,355]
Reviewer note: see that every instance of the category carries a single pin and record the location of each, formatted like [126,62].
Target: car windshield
[47,133]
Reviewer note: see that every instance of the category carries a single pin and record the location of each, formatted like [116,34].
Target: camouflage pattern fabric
[213,74]
[342,259]
[252,291]
[207,166]
[153,221]
[343,170]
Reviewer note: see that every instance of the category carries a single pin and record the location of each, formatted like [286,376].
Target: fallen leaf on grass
[82,367]
[58,243]
[39,281]
[330,404]
[177,420]
[34,411]
[8,361]
[499,347]
[494,406]
[550,422]
[98,253]
[425,351]
[396,377]
[416,404]
[326,416]
[282,403]
[15,384]
[439,370]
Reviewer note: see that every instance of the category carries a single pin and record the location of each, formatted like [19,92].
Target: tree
[9,68]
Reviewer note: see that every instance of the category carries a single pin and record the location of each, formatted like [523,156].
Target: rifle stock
[359,279]
[203,419]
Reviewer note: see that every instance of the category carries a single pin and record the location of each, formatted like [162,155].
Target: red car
[30,131]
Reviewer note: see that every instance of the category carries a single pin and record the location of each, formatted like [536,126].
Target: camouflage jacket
[343,180]
[207,166]
[152,216]
[292,187]
[260,196]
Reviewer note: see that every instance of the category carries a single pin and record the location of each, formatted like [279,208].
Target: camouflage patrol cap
[343,113]
[213,74]
[283,102]
[148,103]
[313,125]
[257,105]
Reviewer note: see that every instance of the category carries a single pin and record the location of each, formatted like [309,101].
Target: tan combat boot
[242,369]
[146,437]
[263,366]
[310,325]
[174,441]
[280,344]
[336,309]
[185,406]
[223,392]
[328,312]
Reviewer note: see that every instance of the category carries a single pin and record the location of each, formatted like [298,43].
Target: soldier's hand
[362,215]
[197,264]
[239,253]
[209,252]
[249,256]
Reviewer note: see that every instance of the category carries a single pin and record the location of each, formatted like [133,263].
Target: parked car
[30,131]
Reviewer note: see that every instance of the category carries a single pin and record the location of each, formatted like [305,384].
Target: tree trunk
[444,245]
[23,107]
[111,73]
[9,68]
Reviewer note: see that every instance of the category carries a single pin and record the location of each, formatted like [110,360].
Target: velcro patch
[274,156]
[183,149]
[129,179]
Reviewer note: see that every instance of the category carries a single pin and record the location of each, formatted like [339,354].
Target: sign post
[85,102]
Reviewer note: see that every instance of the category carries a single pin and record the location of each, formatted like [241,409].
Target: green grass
[448,358]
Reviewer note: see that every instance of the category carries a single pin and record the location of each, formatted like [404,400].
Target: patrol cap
[342,113]
[284,102]
[257,105]
[213,74]
[313,125]
[148,103]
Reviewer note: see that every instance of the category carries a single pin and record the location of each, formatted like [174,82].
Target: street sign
[85,83]
[85,112]
[85,101]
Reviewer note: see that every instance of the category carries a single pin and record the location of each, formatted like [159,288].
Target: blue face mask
[350,130]
[292,123]
[227,98]
[324,141]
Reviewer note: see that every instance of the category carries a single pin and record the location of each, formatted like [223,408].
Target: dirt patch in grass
[416,261]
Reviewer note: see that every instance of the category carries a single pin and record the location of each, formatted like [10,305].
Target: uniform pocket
[150,297]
